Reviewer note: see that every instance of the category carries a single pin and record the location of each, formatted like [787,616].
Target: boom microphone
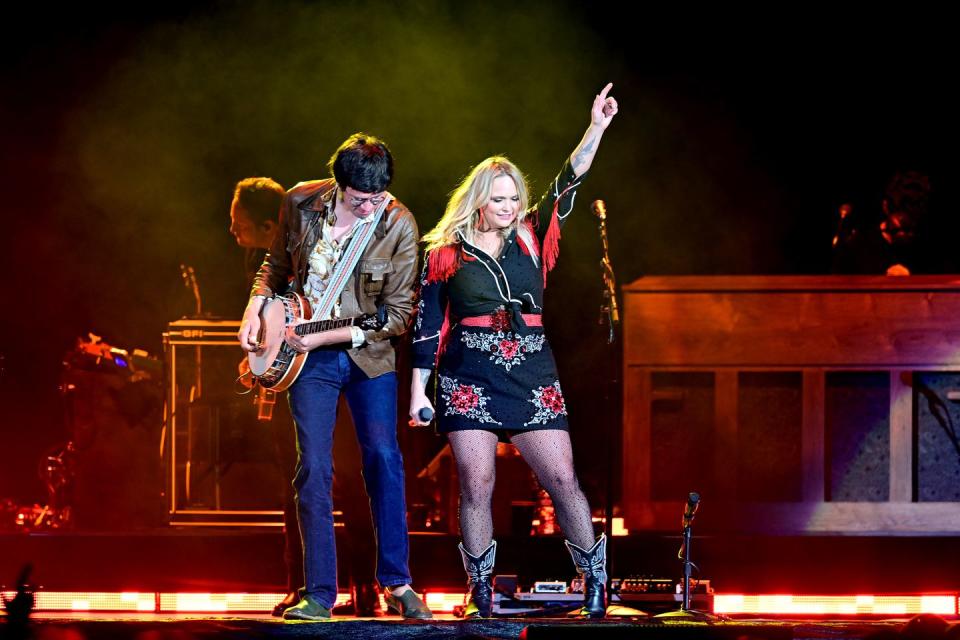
[599,208]
[693,503]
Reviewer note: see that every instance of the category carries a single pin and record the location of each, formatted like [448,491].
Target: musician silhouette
[253,222]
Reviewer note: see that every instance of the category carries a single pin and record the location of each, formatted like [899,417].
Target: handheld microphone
[693,503]
[599,208]
[424,415]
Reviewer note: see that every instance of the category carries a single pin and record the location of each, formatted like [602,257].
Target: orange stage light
[870,605]
[443,602]
[217,602]
[92,601]
[440,602]
[189,602]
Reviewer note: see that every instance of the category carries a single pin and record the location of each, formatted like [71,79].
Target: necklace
[491,248]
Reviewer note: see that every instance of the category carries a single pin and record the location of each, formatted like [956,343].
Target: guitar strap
[348,261]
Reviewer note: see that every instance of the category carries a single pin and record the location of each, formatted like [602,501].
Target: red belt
[496,320]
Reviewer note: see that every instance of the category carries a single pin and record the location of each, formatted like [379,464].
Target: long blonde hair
[472,194]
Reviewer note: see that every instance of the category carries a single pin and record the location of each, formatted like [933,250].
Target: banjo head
[273,317]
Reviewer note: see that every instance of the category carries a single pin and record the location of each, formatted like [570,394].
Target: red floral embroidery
[464,398]
[506,349]
[548,404]
[500,320]
[509,349]
[552,400]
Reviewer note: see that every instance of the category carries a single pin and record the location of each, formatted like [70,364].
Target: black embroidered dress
[502,376]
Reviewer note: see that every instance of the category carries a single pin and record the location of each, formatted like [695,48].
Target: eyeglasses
[374,200]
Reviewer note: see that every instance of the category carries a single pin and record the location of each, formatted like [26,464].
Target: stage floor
[84,626]
[181,560]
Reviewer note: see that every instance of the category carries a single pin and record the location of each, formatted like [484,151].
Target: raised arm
[556,204]
[601,115]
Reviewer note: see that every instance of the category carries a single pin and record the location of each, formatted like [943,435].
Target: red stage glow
[151,602]
[868,605]
[443,602]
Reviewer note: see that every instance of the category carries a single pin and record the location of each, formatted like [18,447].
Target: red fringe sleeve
[442,263]
[551,239]
[551,243]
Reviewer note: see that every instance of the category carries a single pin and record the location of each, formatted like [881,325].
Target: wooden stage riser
[818,329]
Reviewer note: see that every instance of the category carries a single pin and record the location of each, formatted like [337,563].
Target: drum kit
[57,466]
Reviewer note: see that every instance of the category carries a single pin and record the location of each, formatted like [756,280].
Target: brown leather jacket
[387,268]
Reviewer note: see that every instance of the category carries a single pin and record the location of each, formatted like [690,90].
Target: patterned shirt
[323,262]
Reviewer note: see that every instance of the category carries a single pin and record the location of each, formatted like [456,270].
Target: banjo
[275,364]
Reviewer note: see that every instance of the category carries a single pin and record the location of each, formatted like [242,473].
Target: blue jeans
[373,405]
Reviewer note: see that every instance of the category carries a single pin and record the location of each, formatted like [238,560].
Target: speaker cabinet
[221,460]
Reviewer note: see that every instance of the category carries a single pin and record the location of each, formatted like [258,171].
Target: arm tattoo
[424,375]
[584,152]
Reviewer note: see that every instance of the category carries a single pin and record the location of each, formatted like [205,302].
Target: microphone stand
[609,312]
[609,316]
[686,614]
[190,281]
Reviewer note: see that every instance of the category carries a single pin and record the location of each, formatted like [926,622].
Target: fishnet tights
[549,454]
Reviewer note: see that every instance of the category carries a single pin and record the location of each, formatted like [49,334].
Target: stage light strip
[617,529]
[440,602]
[188,602]
[217,602]
[782,604]
[92,601]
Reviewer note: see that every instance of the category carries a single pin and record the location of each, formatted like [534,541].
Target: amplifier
[220,462]
[202,332]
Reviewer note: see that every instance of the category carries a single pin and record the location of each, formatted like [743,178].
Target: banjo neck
[317,326]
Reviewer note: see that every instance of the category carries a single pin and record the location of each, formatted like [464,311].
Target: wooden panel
[821,283]
[818,325]
[785,327]
[901,436]
[859,518]
[793,329]
[725,423]
[637,401]
[813,436]
[769,445]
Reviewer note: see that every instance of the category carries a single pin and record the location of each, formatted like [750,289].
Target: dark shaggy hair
[362,163]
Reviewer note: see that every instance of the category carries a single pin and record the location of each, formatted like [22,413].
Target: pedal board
[649,594]
[656,595]
[524,602]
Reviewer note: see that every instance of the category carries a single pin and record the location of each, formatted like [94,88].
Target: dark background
[738,136]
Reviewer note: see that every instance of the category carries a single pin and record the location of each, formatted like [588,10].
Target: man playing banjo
[347,246]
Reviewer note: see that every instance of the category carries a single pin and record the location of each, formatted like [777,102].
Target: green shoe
[307,609]
[408,605]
